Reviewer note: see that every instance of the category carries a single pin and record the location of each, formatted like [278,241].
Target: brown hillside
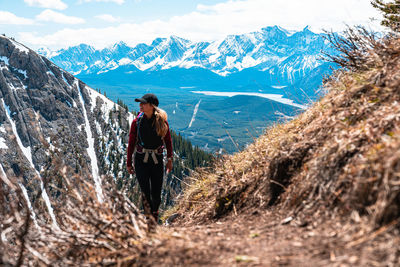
[340,156]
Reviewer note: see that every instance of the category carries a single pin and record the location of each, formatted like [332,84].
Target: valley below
[216,121]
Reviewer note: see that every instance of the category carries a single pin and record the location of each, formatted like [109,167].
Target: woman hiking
[148,134]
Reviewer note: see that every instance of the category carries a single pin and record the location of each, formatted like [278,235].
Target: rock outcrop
[45,111]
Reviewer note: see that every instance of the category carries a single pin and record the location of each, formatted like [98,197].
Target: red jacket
[132,142]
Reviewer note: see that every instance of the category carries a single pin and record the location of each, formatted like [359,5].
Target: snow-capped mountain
[264,50]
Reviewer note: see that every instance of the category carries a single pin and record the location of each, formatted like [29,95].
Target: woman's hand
[131,169]
[169,165]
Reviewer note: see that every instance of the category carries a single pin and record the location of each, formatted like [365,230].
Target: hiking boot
[155,216]
[146,206]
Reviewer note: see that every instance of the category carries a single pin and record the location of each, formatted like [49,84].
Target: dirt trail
[263,239]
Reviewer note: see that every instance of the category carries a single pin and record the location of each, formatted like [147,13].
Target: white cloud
[54,4]
[119,2]
[216,21]
[108,18]
[10,18]
[57,17]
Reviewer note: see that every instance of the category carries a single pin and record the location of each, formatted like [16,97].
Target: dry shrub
[339,156]
[358,49]
[88,232]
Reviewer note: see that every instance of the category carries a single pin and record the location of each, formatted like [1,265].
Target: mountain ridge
[261,49]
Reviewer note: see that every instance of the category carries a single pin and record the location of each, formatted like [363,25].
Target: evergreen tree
[119,117]
[391,13]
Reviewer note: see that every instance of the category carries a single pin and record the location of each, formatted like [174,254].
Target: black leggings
[150,178]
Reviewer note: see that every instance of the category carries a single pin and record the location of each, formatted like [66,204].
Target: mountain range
[272,57]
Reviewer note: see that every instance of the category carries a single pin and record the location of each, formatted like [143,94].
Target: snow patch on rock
[90,150]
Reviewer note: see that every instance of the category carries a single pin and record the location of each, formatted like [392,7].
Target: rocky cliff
[44,111]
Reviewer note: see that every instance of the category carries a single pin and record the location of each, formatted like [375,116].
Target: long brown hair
[160,121]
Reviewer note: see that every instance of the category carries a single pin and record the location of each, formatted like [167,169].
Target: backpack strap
[138,138]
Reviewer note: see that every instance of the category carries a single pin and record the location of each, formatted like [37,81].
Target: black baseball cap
[148,98]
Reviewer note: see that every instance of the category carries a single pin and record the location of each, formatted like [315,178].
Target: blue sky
[62,23]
